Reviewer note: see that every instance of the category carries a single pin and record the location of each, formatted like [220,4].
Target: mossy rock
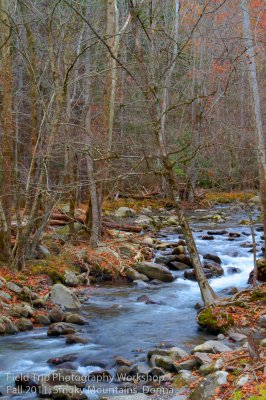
[179,382]
[258,295]
[55,276]
[215,321]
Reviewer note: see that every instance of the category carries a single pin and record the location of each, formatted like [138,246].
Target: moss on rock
[215,321]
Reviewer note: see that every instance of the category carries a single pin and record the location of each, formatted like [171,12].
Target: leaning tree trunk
[207,293]
[255,95]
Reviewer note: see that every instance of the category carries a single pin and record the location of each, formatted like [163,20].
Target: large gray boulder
[155,271]
[206,388]
[64,297]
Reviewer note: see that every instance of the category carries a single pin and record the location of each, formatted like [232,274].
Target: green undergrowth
[53,266]
[258,295]
[239,395]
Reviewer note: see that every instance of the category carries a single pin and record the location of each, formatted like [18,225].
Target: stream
[121,326]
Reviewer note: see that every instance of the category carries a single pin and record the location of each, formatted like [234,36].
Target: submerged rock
[233,270]
[140,284]
[147,300]
[222,232]
[73,339]
[207,237]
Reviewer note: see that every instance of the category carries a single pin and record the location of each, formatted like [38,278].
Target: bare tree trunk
[93,214]
[7,129]
[110,81]
[251,64]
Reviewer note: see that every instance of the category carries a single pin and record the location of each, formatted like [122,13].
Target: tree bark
[7,139]
[255,94]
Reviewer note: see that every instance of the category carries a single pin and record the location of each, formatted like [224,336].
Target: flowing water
[119,325]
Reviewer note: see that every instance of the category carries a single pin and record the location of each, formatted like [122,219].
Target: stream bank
[119,322]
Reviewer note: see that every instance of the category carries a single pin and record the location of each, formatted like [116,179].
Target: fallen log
[106,224]
[125,228]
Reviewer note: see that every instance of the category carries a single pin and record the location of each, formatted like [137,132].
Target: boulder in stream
[75,319]
[155,271]
[178,266]
[233,270]
[134,275]
[212,257]
[57,314]
[222,232]
[64,297]
[61,328]
[73,339]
